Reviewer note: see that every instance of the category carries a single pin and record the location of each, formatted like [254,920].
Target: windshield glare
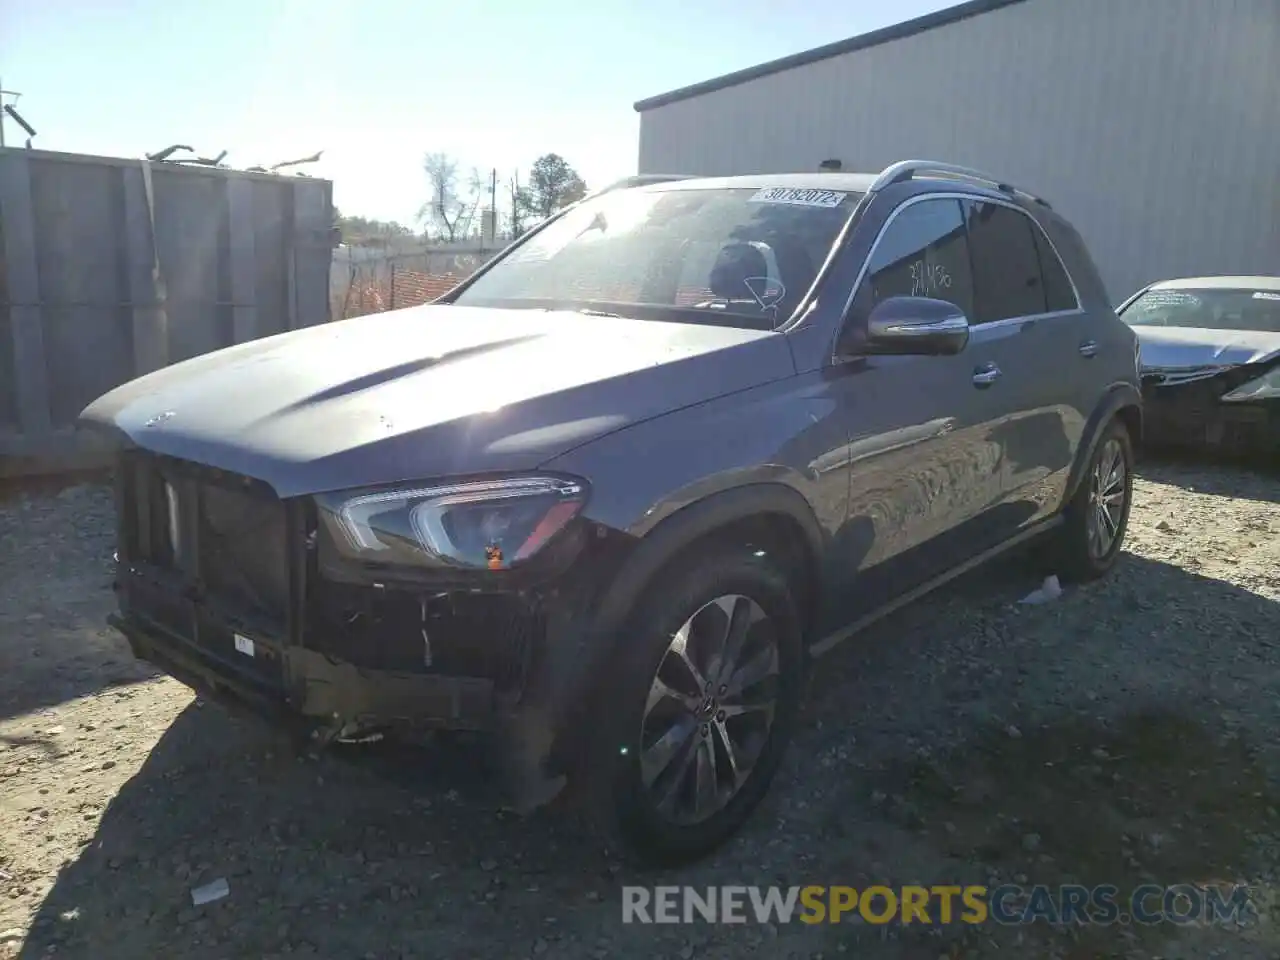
[738,257]
[1254,310]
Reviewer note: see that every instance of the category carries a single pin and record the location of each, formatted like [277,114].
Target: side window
[1058,293]
[1006,267]
[922,253]
[1068,240]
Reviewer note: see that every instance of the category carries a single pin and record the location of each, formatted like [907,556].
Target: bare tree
[475,192]
[446,207]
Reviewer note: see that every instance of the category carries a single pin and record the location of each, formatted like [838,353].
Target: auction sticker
[799,197]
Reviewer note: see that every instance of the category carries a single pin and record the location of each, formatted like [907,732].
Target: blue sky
[378,83]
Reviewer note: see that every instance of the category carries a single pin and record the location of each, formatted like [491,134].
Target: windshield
[737,257]
[1214,309]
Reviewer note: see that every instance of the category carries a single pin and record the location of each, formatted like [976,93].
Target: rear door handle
[1088,348]
[986,375]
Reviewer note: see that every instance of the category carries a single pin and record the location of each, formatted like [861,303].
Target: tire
[626,798]
[1077,556]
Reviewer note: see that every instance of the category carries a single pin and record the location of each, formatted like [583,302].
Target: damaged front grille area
[243,543]
[226,535]
[217,572]
[459,634]
[1184,410]
[148,514]
[205,559]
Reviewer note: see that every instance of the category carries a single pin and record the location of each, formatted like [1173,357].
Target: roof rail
[643,180]
[905,170]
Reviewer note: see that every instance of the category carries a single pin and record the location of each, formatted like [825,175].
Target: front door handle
[986,375]
[1088,348]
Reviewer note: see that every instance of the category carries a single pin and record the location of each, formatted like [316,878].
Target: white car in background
[1210,362]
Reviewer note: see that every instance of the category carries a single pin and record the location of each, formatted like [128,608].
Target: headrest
[736,264]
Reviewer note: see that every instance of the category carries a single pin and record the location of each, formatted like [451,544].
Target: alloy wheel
[710,709]
[1107,493]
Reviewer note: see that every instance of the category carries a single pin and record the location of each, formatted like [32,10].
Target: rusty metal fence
[373,283]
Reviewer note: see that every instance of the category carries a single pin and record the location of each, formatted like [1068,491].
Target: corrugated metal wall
[239,256]
[1154,125]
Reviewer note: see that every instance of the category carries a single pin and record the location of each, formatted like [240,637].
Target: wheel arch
[769,516]
[1122,401]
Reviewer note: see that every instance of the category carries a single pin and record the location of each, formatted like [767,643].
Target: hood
[428,392]
[1166,348]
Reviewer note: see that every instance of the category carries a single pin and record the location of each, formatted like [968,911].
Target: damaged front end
[1233,409]
[319,613]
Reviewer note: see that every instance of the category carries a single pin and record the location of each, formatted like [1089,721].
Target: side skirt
[827,643]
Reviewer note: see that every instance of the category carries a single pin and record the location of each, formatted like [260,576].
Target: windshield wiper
[600,313]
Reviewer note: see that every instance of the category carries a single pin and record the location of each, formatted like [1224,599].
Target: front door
[927,456]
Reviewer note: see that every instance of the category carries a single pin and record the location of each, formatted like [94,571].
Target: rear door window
[1006,267]
[1058,292]
[1074,252]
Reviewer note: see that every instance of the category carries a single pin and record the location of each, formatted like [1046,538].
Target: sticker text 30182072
[800,197]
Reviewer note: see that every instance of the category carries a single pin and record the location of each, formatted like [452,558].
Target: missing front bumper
[323,696]
[318,688]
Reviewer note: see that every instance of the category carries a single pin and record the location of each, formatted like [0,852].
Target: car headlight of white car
[1265,387]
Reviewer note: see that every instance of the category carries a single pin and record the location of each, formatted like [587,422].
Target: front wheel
[1098,515]
[705,694]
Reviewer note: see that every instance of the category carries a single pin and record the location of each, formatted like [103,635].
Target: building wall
[1154,125]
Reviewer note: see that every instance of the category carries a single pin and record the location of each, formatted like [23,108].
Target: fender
[1119,396]
[567,680]
[689,524]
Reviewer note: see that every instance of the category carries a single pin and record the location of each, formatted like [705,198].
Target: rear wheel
[1098,515]
[704,698]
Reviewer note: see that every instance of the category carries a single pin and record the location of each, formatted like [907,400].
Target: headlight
[1265,387]
[487,524]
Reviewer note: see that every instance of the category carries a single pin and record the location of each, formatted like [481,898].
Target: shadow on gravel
[1171,791]
[1161,796]
[397,853]
[1251,478]
[401,854]
[13,486]
[57,534]
[64,656]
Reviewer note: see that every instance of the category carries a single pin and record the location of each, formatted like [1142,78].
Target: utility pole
[16,96]
[493,206]
[515,204]
[5,93]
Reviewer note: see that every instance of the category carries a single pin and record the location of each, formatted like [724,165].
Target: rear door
[1028,324]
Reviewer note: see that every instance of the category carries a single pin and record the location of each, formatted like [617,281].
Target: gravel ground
[1126,731]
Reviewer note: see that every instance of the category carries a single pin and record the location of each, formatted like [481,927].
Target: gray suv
[609,498]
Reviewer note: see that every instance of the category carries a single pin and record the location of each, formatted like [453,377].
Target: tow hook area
[338,730]
[345,698]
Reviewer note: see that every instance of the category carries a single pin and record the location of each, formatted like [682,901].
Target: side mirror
[912,325]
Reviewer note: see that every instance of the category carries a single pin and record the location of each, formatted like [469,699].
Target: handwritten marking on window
[928,279]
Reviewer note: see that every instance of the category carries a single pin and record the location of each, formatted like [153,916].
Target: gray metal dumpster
[111,267]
